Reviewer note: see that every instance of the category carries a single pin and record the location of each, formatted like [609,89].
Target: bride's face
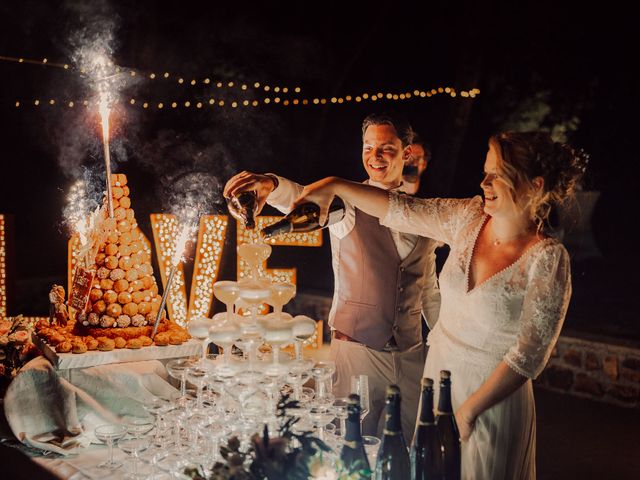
[498,196]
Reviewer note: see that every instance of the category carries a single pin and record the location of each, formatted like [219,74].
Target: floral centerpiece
[289,455]
[16,347]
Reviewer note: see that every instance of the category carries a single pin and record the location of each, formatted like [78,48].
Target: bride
[505,290]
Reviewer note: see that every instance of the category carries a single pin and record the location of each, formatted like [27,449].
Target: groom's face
[383,155]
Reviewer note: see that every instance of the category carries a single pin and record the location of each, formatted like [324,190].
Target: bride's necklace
[500,240]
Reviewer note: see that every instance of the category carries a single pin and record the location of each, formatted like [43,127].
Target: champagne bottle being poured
[305,218]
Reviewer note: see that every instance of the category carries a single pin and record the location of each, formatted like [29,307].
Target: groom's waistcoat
[380,294]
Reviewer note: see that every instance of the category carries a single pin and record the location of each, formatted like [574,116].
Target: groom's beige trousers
[383,368]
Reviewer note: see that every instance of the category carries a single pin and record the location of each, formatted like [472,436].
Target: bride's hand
[321,193]
[466,422]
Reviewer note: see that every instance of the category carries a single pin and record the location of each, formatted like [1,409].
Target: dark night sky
[576,63]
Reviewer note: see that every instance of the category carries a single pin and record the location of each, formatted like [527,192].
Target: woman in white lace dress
[505,290]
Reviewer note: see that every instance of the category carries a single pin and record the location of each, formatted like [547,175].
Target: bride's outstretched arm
[371,200]
[502,382]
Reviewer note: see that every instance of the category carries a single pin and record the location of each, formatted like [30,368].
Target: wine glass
[133,446]
[277,333]
[227,291]
[254,254]
[303,329]
[299,373]
[110,434]
[340,410]
[197,375]
[177,368]
[322,373]
[224,332]
[360,386]
[281,294]
[198,327]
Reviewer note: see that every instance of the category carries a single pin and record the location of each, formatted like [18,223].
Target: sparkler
[104,115]
[175,261]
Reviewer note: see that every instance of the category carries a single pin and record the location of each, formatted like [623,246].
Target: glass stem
[183,383]
[110,447]
[298,348]
[343,427]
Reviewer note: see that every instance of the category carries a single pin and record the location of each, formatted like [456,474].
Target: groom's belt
[391,345]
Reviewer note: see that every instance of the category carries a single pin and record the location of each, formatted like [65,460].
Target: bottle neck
[444,402]
[426,407]
[393,424]
[353,435]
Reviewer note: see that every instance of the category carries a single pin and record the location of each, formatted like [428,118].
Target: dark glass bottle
[426,450]
[353,455]
[448,430]
[244,207]
[393,457]
[305,218]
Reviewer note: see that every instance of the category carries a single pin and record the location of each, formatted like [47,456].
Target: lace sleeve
[436,218]
[544,308]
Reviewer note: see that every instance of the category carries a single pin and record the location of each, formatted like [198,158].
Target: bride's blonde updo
[523,156]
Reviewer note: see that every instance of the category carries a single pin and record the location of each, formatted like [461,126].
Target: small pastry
[111,262]
[93,319]
[105,344]
[99,307]
[148,282]
[134,343]
[106,284]
[130,309]
[138,320]
[106,321]
[124,298]
[130,215]
[112,238]
[91,343]
[117,192]
[121,285]
[124,226]
[123,321]
[132,274]
[146,341]
[103,272]
[95,294]
[161,339]
[110,296]
[120,213]
[64,347]
[78,346]
[111,249]
[125,263]
[126,191]
[117,273]
[115,310]
[125,202]
[100,259]
[144,307]
[120,342]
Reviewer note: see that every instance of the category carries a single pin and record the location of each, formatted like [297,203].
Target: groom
[384,280]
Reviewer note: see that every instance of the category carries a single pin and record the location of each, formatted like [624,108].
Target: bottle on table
[393,457]
[448,430]
[353,455]
[305,218]
[426,449]
[244,207]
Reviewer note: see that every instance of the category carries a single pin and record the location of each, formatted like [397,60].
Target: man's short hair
[417,139]
[397,121]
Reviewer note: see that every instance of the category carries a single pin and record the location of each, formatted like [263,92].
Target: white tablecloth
[57,410]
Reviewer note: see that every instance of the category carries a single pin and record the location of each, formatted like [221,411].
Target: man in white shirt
[384,280]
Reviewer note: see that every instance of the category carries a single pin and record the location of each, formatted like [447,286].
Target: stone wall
[594,368]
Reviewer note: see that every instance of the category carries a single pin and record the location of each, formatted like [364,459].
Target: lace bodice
[516,314]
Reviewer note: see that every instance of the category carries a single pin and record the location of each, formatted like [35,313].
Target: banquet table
[52,413]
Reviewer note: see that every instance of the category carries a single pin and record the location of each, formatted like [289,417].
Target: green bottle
[448,430]
[353,454]
[426,450]
[393,457]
